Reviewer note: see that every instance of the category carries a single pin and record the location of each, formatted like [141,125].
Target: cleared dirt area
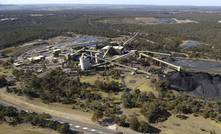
[185,21]
[130,21]
[24,129]
[145,21]
[55,109]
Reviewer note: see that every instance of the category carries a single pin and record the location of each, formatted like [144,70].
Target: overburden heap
[199,84]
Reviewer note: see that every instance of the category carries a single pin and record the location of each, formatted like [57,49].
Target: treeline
[13,117]
[50,24]
[159,108]
[27,28]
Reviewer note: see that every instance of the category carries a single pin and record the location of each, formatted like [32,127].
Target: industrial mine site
[110,69]
[90,53]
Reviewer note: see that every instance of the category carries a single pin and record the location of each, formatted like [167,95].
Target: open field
[92,79]
[137,81]
[192,125]
[147,87]
[24,129]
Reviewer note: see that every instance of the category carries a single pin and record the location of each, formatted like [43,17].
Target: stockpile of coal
[198,84]
[203,65]
[169,59]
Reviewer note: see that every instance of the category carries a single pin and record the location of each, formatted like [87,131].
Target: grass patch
[8,50]
[218,124]
[92,79]
[103,94]
[146,87]
[191,125]
[4,71]
[24,129]
[169,131]
[139,81]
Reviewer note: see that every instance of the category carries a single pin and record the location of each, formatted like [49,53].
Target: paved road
[74,125]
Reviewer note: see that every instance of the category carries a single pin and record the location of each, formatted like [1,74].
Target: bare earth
[145,20]
[185,21]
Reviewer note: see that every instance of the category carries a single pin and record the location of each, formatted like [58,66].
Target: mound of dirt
[202,84]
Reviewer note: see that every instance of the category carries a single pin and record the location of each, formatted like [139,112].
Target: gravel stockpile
[199,84]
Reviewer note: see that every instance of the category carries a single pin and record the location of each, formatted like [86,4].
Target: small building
[16,64]
[113,49]
[37,58]
[56,52]
[85,63]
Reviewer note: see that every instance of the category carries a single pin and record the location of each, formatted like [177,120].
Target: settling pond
[85,39]
[190,43]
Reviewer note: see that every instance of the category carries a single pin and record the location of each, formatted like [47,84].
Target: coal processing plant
[192,83]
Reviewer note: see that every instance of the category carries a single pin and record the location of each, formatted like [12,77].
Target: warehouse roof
[115,47]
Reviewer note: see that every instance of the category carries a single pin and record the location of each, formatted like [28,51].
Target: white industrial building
[85,63]
[41,57]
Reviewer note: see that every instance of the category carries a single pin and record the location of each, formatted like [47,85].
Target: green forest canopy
[53,23]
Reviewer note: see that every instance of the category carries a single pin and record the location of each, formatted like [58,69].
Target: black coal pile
[169,59]
[199,84]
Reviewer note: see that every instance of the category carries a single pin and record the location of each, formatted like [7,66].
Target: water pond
[189,44]
[79,40]
[92,38]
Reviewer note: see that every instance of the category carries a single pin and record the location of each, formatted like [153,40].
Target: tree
[218,118]
[11,111]
[7,89]
[98,114]
[134,123]
[63,128]
[3,81]
[144,127]
[121,121]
